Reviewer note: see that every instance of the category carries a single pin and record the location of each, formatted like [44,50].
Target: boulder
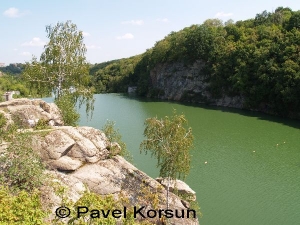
[27,112]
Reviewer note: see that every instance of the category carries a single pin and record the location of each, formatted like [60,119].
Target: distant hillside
[255,61]
[13,68]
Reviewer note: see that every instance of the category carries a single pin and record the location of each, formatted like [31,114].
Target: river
[252,170]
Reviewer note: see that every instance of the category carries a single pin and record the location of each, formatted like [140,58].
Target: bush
[113,135]
[20,166]
[67,105]
[42,124]
[23,208]
[2,124]
[2,121]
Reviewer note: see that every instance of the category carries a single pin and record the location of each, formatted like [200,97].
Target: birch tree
[170,141]
[62,68]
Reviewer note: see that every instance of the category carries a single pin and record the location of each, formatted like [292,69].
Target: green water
[253,161]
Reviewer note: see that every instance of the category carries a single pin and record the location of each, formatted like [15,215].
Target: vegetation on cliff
[257,59]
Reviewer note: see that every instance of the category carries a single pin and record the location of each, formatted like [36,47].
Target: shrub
[42,124]
[113,135]
[23,208]
[67,105]
[2,121]
[20,166]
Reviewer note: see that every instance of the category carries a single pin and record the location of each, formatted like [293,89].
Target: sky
[113,29]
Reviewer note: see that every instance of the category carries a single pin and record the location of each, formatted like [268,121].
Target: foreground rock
[79,159]
[73,156]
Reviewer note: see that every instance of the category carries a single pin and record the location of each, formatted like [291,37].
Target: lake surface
[252,174]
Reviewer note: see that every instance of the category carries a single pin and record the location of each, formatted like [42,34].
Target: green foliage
[257,59]
[67,105]
[114,136]
[170,142]
[2,121]
[62,68]
[95,201]
[22,208]
[42,124]
[114,76]
[13,83]
[13,68]
[20,166]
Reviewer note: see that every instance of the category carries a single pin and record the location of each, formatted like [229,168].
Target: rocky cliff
[180,82]
[79,159]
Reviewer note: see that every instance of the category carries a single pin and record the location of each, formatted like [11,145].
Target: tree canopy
[170,141]
[62,69]
[257,59]
[62,65]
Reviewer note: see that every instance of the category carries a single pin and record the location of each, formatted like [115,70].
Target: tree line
[256,58]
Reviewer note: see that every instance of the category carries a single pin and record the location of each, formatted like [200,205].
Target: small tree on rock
[170,141]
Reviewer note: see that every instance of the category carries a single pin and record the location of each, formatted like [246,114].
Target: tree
[169,140]
[62,68]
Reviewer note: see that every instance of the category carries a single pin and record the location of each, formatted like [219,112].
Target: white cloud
[125,36]
[164,20]
[15,49]
[25,53]
[34,42]
[222,14]
[92,47]
[86,34]
[133,22]
[14,13]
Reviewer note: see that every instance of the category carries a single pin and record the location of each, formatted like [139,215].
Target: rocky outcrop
[28,112]
[81,155]
[79,159]
[178,186]
[67,148]
[180,82]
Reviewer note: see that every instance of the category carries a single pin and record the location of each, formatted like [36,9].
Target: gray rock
[178,186]
[28,112]
[52,198]
[54,145]
[100,179]
[84,149]
[96,136]
[65,163]
[181,82]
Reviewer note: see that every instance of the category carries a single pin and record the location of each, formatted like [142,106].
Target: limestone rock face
[175,79]
[181,82]
[29,112]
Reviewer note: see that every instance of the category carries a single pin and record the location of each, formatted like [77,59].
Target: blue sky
[113,29]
